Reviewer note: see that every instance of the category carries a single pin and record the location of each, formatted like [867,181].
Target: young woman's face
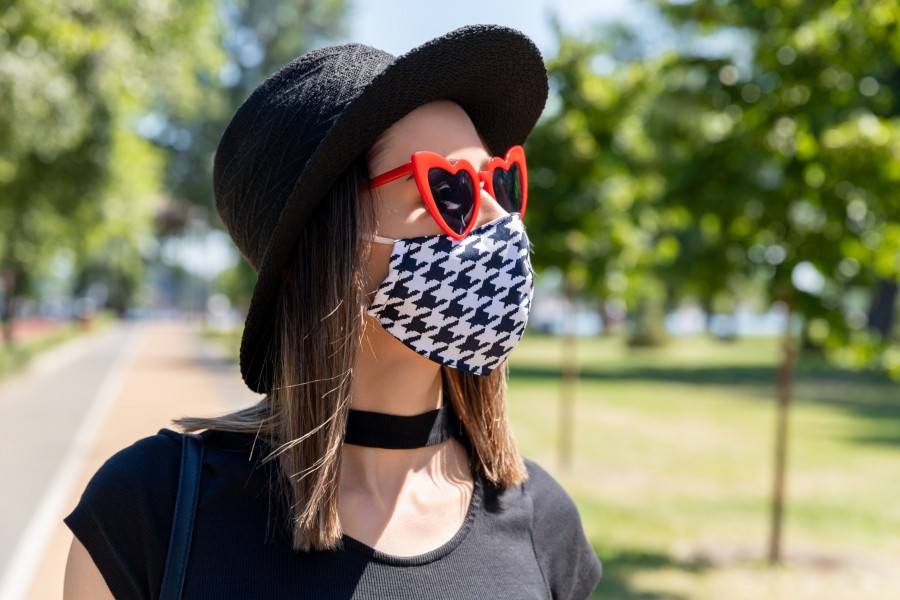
[443,127]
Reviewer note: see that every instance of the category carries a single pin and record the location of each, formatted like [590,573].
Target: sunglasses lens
[508,187]
[454,195]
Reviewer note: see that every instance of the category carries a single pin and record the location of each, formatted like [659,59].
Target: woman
[380,201]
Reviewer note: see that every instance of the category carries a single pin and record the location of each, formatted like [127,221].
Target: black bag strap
[183,519]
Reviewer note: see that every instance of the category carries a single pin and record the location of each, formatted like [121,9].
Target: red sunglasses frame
[421,162]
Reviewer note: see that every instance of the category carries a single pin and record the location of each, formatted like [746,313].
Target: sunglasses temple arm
[392,175]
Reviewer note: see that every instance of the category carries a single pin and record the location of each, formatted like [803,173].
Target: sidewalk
[166,374]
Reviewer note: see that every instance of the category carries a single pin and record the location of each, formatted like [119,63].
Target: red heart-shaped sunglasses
[449,190]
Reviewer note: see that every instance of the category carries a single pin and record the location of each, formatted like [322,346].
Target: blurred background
[712,362]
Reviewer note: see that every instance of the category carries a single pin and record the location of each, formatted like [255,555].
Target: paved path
[75,407]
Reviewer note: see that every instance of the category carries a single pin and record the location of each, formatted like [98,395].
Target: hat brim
[495,73]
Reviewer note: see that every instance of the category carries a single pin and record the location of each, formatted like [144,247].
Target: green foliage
[75,177]
[710,176]
[237,283]
[581,213]
[110,110]
[595,211]
[803,144]
[258,37]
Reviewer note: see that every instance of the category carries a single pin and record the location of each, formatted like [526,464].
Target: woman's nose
[489,210]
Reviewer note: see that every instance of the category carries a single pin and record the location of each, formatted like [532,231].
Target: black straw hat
[305,125]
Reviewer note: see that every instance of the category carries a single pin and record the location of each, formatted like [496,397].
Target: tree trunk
[604,320]
[7,308]
[784,376]
[706,306]
[649,324]
[6,322]
[881,309]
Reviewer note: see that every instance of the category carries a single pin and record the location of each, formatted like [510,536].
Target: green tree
[258,37]
[596,213]
[74,174]
[595,209]
[796,160]
[778,170]
[793,161]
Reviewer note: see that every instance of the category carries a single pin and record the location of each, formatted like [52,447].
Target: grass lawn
[673,468]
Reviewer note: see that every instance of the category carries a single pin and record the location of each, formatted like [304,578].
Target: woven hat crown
[274,133]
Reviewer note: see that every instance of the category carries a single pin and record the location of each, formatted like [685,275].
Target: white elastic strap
[377,238]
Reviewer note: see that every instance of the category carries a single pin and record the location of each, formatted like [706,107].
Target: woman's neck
[390,378]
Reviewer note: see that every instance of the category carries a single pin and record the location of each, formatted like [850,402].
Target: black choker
[394,432]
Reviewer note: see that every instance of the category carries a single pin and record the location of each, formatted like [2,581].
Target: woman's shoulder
[150,463]
[143,475]
[540,494]
[124,516]
[150,467]
[151,451]
[545,491]
[125,512]
[567,558]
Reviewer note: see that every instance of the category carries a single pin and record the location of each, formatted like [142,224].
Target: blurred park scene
[712,365]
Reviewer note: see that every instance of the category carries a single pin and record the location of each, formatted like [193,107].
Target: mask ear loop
[370,237]
[377,238]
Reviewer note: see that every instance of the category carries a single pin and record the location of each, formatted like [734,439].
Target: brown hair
[319,327]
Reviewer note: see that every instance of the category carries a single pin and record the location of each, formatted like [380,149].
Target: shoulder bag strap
[183,519]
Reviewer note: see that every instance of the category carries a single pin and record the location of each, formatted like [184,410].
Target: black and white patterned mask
[463,304]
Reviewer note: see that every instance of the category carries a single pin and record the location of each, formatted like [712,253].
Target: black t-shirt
[519,543]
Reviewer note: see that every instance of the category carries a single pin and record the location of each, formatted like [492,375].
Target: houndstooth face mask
[463,304]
